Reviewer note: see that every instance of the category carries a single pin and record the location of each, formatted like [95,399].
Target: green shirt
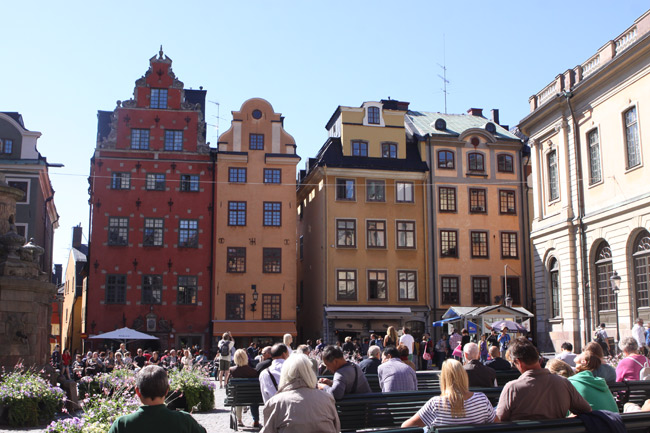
[594,390]
[156,419]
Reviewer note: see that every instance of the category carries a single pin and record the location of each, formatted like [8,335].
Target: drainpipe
[213,156]
[582,238]
[432,238]
[523,222]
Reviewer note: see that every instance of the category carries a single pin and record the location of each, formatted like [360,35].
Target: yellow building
[590,138]
[477,209]
[362,256]
[71,316]
[255,251]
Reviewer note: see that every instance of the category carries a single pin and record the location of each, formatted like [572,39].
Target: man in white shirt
[270,377]
[638,332]
[407,340]
[567,354]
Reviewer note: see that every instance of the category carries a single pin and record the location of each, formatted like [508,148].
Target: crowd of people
[296,400]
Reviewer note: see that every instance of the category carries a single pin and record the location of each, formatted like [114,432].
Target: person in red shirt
[66,359]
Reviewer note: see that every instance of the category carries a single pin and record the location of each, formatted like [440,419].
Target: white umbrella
[512,326]
[125,335]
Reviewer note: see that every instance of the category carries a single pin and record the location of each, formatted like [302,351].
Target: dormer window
[159,98]
[476,161]
[6,145]
[359,148]
[373,115]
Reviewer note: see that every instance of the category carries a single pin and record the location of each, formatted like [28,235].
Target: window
[377,288]
[271,307]
[509,245]
[373,115]
[604,270]
[512,290]
[447,199]
[116,289]
[359,148]
[507,202]
[554,271]
[504,163]
[152,289]
[272,260]
[236,175]
[448,243]
[346,233]
[301,247]
[375,190]
[641,260]
[405,234]
[188,234]
[118,231]
[376,232]
[6,145]
[22,185]
[632,138]
[479,244]
[189,182]
[480,290]
[345,189]
[553,185]
[155,182]
[236,260]
[173,140]
[407,282]
[236,213]
[187,290]
[389,150]
[272,175]
[450,294]
[120,180]
[594,157]
[404,192]
[346,284]
[475,161]
[446,159]
[158,98]
[140,139]
[272,214]
[256,142]
[235,306]
[153,232]
[477,201]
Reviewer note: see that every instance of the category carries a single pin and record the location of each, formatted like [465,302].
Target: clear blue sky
[63,61]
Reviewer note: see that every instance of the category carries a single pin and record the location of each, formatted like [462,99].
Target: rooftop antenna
[217,116]
[445,81]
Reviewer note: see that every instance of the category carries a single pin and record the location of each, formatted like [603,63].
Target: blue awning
[443,321]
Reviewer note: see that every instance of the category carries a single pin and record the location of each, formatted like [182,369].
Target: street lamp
[615,279]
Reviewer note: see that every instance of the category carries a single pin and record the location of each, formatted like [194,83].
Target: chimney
[76,236]
[475,112]
[495,115]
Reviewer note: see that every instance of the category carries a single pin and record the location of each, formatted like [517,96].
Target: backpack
[224,350]
[644,373]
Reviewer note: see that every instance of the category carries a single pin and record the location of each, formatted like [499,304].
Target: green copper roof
[423,123]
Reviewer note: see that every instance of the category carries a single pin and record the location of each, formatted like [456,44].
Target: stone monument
[25,291]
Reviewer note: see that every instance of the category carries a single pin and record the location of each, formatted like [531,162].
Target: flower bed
[106,383]
[196,388]
[28,400]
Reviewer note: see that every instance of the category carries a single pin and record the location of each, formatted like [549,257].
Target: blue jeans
[255,413]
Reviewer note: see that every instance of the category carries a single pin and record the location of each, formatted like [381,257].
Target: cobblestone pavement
[215,421]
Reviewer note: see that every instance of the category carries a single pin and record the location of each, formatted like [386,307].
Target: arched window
[475,161]
[504,163]
[604,294]
[554,274]
[641,256]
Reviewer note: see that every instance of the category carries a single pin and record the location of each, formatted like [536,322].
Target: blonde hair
[348,339]
[241,358]
[559,367]
[392,334]
[287,339]
[453,386]
[297,366]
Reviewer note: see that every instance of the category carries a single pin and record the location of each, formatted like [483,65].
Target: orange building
[362,245]
[255,250]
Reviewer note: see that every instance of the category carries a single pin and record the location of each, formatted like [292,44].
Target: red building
[151,203]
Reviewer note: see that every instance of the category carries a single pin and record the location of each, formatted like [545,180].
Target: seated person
[567,354]
[479,375]
[394,375]
[455,404]
[151,386]
[536,394]
[593,389]
[559,367]
[629,367]
[348,377]
[370,365]
[497,363]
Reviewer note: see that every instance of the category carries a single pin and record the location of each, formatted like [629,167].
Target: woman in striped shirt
[455,404]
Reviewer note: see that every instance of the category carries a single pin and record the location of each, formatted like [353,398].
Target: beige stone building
[71,314]
[589,131]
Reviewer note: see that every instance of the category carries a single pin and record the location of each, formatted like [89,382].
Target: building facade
[362,256]
[590,140]
[255,252]
[151,225]
[70,310]
[26,169]
[477,238]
